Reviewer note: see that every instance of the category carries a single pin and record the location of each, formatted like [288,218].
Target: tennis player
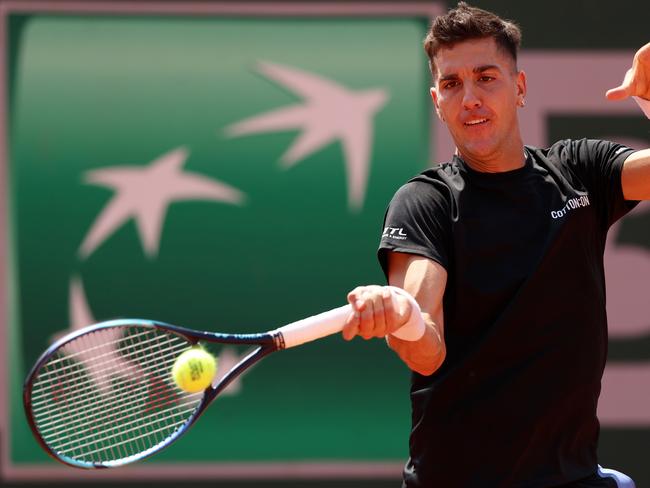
[503,249]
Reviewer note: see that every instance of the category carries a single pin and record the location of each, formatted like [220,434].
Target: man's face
[476,93]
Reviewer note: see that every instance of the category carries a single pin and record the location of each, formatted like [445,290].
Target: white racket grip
[314,327]
[332,322]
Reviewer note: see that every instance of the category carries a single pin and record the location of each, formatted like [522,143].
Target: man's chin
[478,152]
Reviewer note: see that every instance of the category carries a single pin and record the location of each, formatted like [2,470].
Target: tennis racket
[104,397]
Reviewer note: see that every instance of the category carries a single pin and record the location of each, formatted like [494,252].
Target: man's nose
[471,100]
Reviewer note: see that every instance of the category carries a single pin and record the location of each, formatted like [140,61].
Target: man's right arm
[375,316]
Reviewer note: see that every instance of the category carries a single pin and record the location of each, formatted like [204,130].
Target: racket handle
[332,321]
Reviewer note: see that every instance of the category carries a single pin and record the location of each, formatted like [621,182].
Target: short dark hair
[464,23]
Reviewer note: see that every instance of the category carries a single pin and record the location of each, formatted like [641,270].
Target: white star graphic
[329,112]
[144,193]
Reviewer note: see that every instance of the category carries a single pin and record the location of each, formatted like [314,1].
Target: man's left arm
[635,178]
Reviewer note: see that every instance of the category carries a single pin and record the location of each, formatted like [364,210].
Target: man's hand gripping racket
[104,396]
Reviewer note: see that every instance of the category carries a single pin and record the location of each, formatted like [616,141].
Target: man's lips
[475,122]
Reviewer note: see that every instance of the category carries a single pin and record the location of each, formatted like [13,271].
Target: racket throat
[248,361]
[278,340]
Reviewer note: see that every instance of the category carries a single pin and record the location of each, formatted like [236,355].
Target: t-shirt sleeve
[417,221]
[599,165]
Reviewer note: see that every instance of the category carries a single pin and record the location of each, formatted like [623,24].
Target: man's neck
[510,160]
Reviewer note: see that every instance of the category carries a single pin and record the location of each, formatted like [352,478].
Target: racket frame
[266,342]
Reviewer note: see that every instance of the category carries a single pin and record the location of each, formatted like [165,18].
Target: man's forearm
[426,355]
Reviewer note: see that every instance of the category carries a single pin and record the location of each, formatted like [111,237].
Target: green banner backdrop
[218,174]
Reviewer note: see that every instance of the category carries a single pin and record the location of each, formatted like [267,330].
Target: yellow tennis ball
[194,370]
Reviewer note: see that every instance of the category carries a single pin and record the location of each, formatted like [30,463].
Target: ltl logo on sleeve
[394,233]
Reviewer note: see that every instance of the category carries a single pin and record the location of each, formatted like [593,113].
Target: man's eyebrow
[478,69]
[450,76]
[486,67]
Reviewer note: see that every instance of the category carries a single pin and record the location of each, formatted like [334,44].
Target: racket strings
[152,390]
[91,350]
[108,395]
[132,409]
[144,374]
[145,435]
[125,428]
[137,371]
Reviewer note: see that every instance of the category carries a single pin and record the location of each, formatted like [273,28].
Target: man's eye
[486,78]
[450,84]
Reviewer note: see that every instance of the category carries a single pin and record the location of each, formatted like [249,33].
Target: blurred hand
[637,79]
[376,312]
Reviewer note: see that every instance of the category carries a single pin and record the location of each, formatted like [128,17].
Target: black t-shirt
[514,403]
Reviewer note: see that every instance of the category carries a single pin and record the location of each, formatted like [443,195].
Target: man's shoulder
[567,150]
[438,174]
[435,188]
[561,155]
[554,150]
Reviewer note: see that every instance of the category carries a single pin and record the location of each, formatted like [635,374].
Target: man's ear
[521,88]
[434,97]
